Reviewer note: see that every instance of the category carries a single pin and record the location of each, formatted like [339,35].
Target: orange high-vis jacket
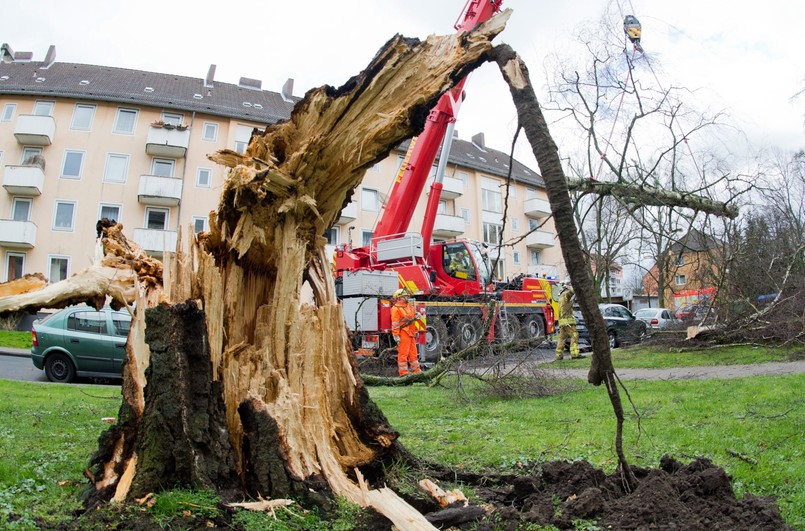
[403,318]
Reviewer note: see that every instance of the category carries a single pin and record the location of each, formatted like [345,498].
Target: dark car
[696,312]
[622,326]
[81,341]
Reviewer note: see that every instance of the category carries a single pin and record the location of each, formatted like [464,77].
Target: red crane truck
[457,303]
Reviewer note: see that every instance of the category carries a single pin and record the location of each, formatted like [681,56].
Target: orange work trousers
[407,355]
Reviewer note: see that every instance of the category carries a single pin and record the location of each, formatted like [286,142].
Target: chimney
[210,76]
[287,90]
[478,140]
[455,134]
[50,57]
[6,53]
[251,84]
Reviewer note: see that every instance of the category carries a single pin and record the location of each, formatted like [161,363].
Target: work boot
[559,356]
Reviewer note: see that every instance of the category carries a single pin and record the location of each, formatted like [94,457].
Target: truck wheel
[532,327]
[507,329]
[435,340]
[59,368]
[466,332]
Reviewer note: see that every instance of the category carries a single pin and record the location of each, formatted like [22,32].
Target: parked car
[622,326]
[696,312]
[81,341]
[658,318]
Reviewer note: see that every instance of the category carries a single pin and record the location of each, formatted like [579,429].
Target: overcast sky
[746,60]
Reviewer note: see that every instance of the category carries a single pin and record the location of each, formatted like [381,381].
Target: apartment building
[81,142]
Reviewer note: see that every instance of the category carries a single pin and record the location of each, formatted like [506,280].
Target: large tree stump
[274,375]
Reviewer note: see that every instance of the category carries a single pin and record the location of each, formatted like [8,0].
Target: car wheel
[613,339]
[532,327]
[507,329]
[59,368]
[466,331]
[435,340]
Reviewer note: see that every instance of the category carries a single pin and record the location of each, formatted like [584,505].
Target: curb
[18,352]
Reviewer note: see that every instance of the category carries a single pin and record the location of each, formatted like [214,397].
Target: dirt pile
[674,496]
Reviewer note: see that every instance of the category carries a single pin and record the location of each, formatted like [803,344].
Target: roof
[137,87]
[174,92]
[695,241]
[487,160]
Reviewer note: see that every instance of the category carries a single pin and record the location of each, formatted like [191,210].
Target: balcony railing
[537,208]
[167,142]
[161,191]
[24,180]
[17,234]
[35,130]
[452,188]
[448,226]
[540,239]
[544,270]
[156,241]
[348,214]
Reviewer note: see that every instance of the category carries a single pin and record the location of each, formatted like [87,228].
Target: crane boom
[408,186]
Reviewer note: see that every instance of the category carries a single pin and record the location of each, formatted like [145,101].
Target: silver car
[658,318]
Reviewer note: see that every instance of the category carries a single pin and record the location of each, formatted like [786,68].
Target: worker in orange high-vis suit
[404,327]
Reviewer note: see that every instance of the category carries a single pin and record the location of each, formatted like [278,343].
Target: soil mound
[675,496]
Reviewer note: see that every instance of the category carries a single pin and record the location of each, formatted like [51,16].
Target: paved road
[15,364]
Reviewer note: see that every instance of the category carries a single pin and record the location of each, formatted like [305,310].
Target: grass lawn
[49,431]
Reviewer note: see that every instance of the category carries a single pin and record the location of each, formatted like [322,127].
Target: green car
[81,341]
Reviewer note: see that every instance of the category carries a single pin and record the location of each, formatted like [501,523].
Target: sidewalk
[21,352]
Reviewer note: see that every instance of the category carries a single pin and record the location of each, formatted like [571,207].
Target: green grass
[48,433]
[646,357]
[15,339]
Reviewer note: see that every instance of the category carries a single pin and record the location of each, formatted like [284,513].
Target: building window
[499,271]
[71,167]
[110,212]
[533,224]
[515,225]
[210,132]
[491,201]
[366,237]
[370,200]
[464,177]
[442,208]
[516,258]
[679,260]
[125,121]
[200,224]
[332,236]
[8,112]
[117,166]
[43,108]
[64,217]
[28,154]
[162,167]
[21,209]
[530,193]
[172,118]
[240,146]
[59,268]
[465,213]
[534,257]
[512,189]
[15,266]
[492,233]
[203,177]
[680,280]
[82,117]
[156,218]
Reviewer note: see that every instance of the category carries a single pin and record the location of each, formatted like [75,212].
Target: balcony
[17,234]
[159,191]
[34,130]
[539,239]
[24,180]
[156,241]
[537,208]
[452,188]
[448,226]
[167,142]
[348,214]
[544,271]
